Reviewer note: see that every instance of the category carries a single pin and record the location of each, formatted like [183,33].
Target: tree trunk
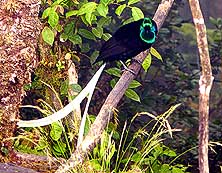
[205,85]
[19,30]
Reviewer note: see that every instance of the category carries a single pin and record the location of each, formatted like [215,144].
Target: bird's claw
[136,60]
[126,68]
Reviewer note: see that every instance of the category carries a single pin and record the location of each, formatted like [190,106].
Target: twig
[205,84]
[73,118]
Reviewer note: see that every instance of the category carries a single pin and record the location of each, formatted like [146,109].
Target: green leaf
[170,153]
[120,9]
[75,88]
[64,88]
[94,55]
[86,34]
[87,8]
[56,131]
[112,150]
[219,22]
[165,168]
[75,39]
[85,47]
[137,13]
[89,18]
[63,37]
[147,62]
[176,170]
[46,13]
[118,1]
[98,32]
[42,144]
[4,150]
[103,144]
[102,10]
[134,84]
[104,21]
[48,35]
[71,13]
[128,21]
[132,95]
[90,119]
[95,164]
[105,2]
[59,28]
[53,19]
[113,82]
[132,2]
[94,18]
[69,28]
[155,53]
[59,148]
[213,20]
[136,157]
[84,20]
[27,87]
[106,36]
[114,71]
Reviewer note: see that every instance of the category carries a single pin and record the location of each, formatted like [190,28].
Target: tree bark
[19,30]
[10,168]
[205,84]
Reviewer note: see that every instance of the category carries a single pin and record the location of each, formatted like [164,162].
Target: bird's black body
[129,40]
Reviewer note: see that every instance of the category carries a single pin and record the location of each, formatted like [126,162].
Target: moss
[48,72]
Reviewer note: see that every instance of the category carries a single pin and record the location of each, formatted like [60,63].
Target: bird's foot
[126,68]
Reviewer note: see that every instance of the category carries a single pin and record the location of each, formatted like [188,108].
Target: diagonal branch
[205,84]
[113,99]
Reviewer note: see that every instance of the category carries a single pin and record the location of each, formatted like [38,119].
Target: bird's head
[148,30]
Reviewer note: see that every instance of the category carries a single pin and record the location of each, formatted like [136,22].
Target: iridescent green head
[148,30]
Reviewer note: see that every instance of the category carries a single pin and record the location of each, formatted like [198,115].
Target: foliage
[144,151]
[79,28]
[88,21]
[85,23]
[54,140]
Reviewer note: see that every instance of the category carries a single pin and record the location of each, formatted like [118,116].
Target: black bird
[129,40]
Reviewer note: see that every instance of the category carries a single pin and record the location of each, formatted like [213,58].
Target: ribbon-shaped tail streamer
[68,108]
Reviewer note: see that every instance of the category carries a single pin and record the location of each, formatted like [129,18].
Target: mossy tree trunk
[19,32]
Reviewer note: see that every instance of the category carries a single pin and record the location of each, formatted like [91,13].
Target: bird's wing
[120,49]
[112,49]
[124,42]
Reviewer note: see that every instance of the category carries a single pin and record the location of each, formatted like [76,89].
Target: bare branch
[73,118]
[205,84]
[35,162]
